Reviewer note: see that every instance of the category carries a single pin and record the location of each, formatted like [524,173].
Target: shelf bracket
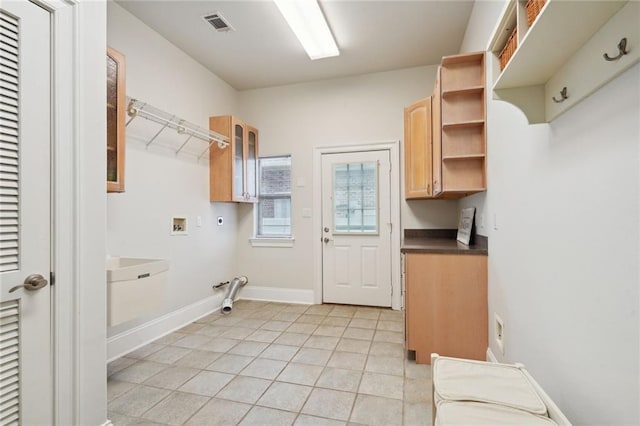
[159,131]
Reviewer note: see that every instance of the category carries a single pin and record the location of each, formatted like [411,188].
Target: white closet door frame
[394,157]
[79,240]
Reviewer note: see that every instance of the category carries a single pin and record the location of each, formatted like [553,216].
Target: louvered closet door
[26,384]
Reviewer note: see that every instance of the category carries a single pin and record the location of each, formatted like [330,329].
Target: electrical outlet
[199,220]
[499,332]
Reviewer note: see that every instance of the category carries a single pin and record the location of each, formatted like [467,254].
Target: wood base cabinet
[446,305]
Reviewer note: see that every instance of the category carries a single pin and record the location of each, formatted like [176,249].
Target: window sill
[271,242]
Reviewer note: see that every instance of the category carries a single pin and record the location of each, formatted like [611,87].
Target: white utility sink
[135,287]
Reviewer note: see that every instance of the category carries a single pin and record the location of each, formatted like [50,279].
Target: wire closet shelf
[137,108]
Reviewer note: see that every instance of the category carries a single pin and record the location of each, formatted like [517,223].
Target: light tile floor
[274,364]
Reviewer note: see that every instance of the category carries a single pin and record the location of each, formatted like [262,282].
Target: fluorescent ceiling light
[308,24]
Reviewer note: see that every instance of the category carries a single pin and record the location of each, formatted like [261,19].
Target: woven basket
[509,48]
[533,7]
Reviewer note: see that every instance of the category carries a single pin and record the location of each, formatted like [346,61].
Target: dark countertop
[441,242]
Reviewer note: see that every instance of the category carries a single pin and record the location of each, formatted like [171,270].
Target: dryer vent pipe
[234,286]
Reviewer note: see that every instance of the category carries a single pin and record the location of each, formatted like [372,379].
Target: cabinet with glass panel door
[233,170]
[115,120]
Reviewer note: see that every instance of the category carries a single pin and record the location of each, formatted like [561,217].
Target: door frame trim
[393,147]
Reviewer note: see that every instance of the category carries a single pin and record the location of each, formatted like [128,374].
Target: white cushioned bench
[467,392]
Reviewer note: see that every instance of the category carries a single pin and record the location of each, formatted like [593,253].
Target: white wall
[159,184]
[296,118]
[563,261]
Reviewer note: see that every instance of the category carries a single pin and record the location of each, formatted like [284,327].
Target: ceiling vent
[218,22]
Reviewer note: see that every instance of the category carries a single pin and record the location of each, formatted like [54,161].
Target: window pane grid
[274,207]
[355,195]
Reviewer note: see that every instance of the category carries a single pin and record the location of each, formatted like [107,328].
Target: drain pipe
[236,283]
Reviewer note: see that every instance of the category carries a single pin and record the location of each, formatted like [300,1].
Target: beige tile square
[388,315]
[137,400]
[237,332]
[417,371]
[336,321]
[388,336]
[387,349]
[385,365]
[264,368]
[207,383]
[276,325]
[417,414]
[285,396]
[329,330]
[340,379]
[171,378]
[342,311]
[219,412]
[230,363]
[176,408]
[192,341]
[417,390]
[367,313]
[373,410]
[170,338]
[262,416]
[214,330]
[363,323]
[286,316]
[329,403]
[348,360]
[228,320]
[138,372]
[194,327]
[353,345]
[264,314]
[391,326]
[145,351]
[279,352]
[306,420]
[296,308]
[321,342]
[382,385]
[209,318]
[244,389]
[168,355]
[116,388]
[310,319]
[219,344]
[120,364]
[292,339]
[264,336]
[358,333]
[248,348]
[252,323]
[298,327]
[301,374]
[319,309]
[312,356]
[198,359]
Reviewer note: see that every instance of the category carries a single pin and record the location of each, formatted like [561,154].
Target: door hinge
[52,278]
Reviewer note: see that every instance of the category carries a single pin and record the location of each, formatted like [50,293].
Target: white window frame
[266,240]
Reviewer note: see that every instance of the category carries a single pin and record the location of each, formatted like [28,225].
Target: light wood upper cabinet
[233,171]
[116,99]
[446,305]
[445,144]
[417,150]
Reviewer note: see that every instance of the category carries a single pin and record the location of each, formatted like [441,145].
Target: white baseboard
[130,340]
[491,356]
[276,294]
[107,423]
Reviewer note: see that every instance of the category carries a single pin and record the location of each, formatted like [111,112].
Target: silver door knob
[326,240]
[326,229]
[32,283]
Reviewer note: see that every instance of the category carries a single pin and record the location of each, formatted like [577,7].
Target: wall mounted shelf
[190,131]
[564,47]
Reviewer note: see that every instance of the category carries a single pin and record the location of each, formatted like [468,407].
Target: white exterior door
[356,228]
[26,381]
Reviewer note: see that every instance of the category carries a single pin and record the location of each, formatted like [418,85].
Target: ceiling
[372,36]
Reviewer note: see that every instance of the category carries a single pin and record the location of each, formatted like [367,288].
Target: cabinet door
[417,150]
[436,122]
[238,160]
[115,120]
[252,164]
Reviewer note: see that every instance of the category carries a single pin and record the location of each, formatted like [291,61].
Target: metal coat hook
[622,50]
[563,94]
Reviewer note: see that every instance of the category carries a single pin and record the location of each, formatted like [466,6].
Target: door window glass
[355,198]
